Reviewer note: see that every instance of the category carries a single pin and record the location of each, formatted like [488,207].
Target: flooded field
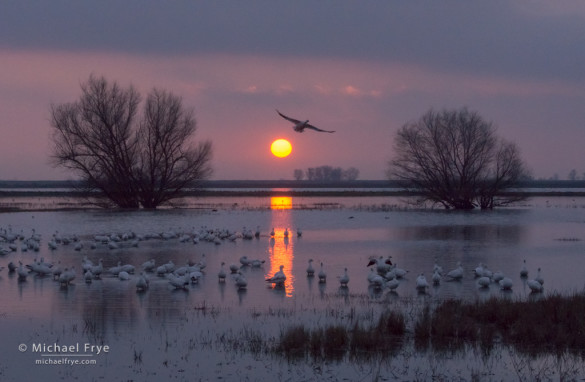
[211,330]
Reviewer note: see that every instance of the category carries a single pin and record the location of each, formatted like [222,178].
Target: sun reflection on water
[281,203]
[281,245]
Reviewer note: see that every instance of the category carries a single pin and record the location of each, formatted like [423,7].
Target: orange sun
[281,148]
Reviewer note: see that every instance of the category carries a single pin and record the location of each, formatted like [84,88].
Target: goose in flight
[300,126]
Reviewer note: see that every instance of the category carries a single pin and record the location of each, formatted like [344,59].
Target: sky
[363,69]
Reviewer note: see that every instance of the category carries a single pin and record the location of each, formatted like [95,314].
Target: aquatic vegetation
[334,341]
[551,325]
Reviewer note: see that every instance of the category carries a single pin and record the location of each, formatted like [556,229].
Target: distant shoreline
[351,184]
[264,188]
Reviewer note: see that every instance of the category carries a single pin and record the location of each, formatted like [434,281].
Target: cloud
[492,38]
[251,89]
[362,70]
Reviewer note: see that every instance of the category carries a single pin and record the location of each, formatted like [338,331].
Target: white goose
[436,278]
[116,269]
[244,261]
[194,276]
[128,268]
[382,266]
[390,275]
[42,269]
[506,283]
[498,276]
[437,268]
[344,279]
[393,284]
[57,270]
[202,262]
[322,274]
[241,282]
[375,279]
[310,269]
[421,283]
[221,275]
[178,282]
[148,266]
[535,286]
[22,272]
[524,270]
[539,277]
[278,278]
[371,275]
[479,270]
[257,263]
[88,276]
[399,272]
[457,273]
[484,282]
[98,269]
[142,282]
[67,276]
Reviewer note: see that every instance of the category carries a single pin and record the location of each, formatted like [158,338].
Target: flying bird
[300,126]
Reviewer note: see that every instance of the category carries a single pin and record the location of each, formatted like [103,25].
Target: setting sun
[281,148]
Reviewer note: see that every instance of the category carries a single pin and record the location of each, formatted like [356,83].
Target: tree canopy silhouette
[128,159]
[455,159]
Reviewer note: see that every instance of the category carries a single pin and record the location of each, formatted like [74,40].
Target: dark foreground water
[106,330]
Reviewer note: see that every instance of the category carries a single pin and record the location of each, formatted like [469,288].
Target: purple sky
[362,69]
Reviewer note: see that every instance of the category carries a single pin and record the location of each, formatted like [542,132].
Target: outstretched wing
[308,126]
[300,126]
[288,118]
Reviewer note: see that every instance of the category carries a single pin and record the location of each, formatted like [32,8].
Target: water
[162,331]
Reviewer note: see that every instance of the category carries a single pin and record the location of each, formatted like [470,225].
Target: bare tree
[130,161]
[331,174]
[455,159]
[311,173]
[351,173]
[167,163]
[298,174]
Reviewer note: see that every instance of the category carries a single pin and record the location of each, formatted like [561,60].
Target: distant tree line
[574,176]
[327,173]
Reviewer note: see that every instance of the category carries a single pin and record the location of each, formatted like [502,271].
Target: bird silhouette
[300,126]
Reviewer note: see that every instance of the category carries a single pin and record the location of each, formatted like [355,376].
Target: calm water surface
[547,233]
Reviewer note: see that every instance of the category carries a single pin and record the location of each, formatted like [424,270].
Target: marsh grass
[554,325]
[295,341]
[335,341]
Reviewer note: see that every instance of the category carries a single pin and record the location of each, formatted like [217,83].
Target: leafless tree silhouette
[130,161]
[454,158]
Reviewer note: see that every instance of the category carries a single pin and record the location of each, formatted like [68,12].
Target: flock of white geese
[383,274]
